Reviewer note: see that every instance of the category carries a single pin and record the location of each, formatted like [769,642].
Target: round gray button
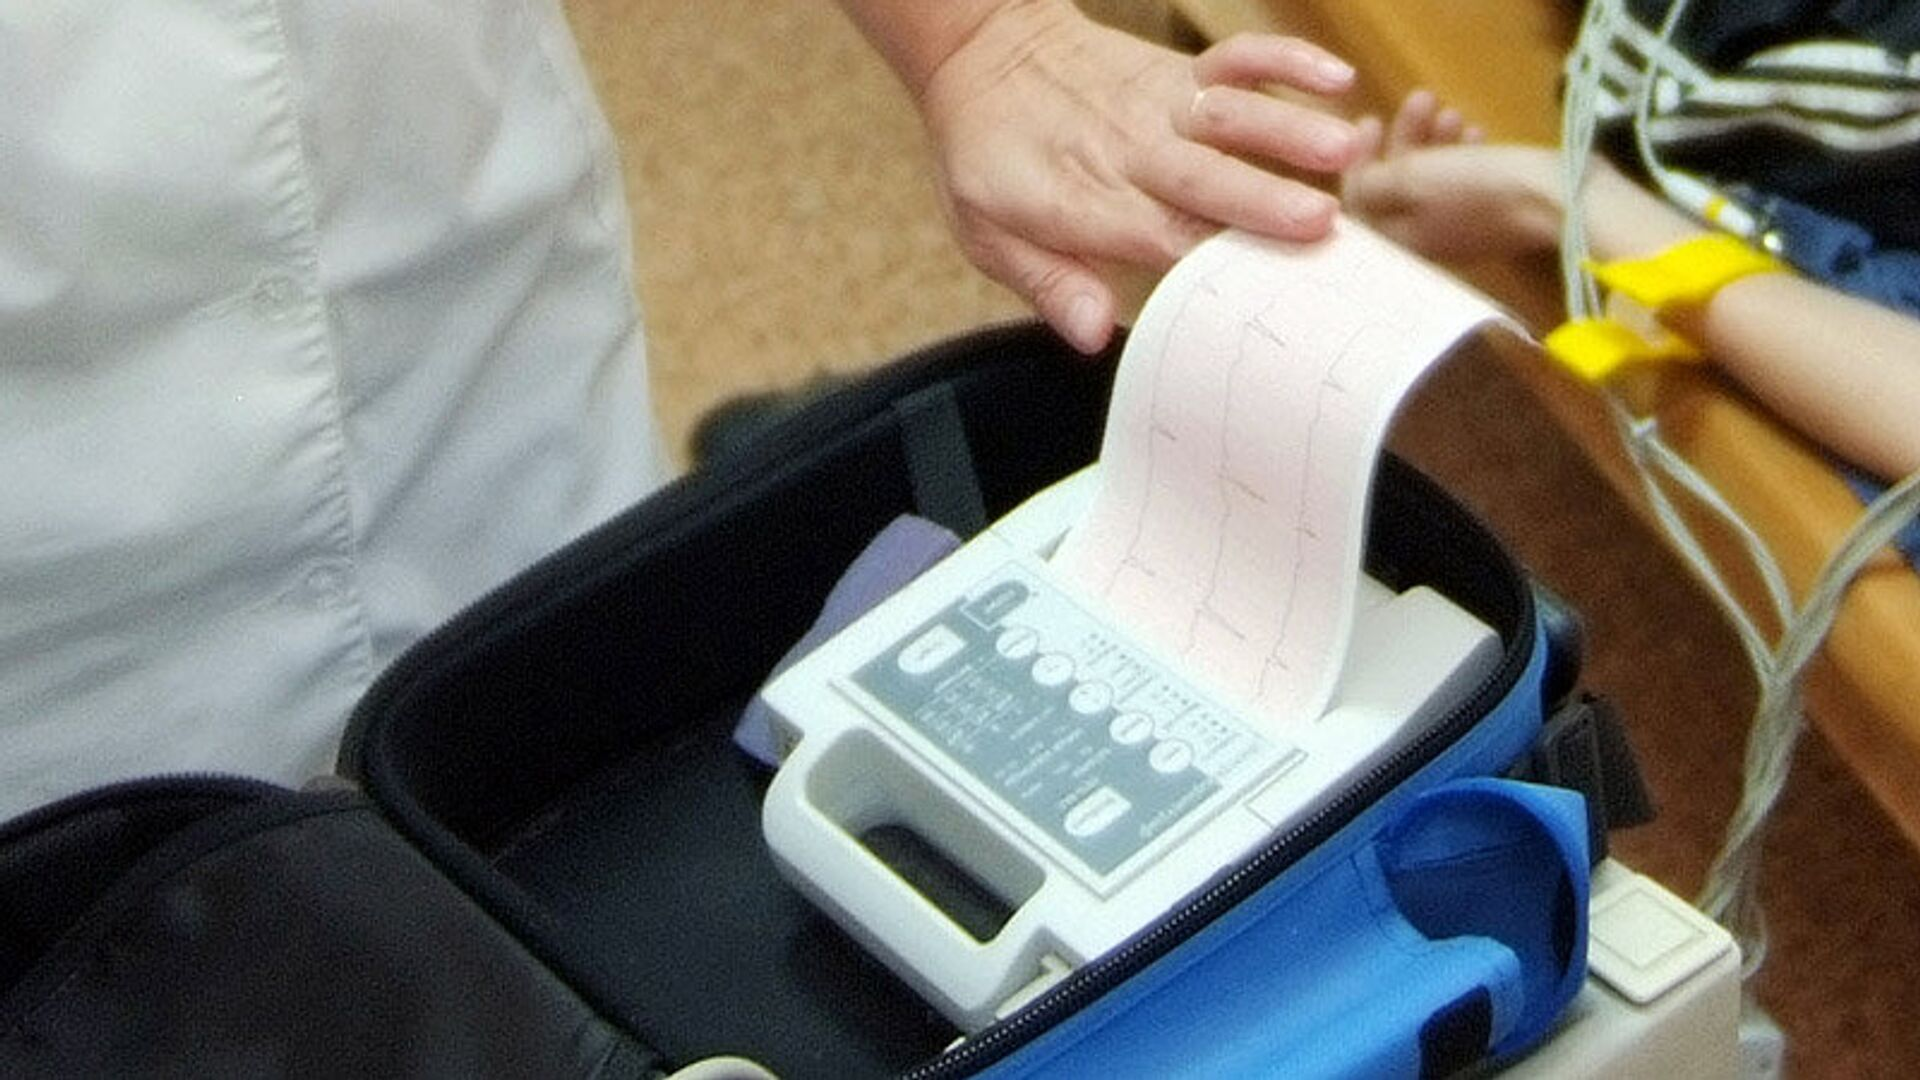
[1170,756]
[1053,669]
[1131,728]
[1090,698]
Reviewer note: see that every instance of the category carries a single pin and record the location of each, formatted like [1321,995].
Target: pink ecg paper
[1249,410]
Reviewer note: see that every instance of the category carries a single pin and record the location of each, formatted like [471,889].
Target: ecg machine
[990,784]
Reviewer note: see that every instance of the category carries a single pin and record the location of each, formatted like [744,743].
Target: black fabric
[1417,535]
[1720,35]
[270,933]
[56,862]
[730,562]
[655,868]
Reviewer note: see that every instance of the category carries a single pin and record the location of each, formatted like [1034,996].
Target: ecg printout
[1250,407]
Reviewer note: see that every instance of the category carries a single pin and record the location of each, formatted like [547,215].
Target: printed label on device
[1094,749]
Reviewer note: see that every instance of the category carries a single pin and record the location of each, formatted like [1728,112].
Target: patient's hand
[1430,183]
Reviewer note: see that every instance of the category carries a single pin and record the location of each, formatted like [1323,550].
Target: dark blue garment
[1843,254]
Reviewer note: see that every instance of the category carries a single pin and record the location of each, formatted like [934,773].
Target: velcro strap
[1584,747]
[946,490]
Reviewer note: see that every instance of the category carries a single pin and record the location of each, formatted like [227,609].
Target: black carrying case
[553,863]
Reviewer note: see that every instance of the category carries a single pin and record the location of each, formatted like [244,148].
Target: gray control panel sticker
[1039,702]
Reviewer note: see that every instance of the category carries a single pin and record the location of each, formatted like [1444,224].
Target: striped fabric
[1816,102]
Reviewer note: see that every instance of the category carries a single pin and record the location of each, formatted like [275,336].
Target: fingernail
[1085,327]
[1199,99]
[1314,211]
[1335,143]
[1366,132]
[1333,69]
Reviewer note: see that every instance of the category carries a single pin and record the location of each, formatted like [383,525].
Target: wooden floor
[785,226]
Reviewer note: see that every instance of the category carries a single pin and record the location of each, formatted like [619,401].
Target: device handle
[1505,861]
[826,794]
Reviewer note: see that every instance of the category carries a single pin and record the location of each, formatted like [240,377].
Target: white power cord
[1731,893]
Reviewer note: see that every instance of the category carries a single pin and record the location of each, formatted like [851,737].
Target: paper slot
[1251,404]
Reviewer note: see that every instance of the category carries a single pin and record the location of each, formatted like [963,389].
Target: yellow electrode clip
[1689,272]
[1639,290]
[1594,349]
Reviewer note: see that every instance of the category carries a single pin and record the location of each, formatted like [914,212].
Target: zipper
[171,786]
[1080,989]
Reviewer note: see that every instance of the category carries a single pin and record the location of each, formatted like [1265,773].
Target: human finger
[1368,132]
[1216,186]
[1064,291]
[1387,189]
[1250,124]
[1120,222]
[1447,126]
[1410,125]
[1250,60]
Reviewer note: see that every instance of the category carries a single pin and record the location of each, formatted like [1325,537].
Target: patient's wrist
[1625,221]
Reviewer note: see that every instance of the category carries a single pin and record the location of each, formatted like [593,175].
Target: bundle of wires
[1617,70]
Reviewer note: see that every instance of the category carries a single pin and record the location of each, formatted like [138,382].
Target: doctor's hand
[1063,145]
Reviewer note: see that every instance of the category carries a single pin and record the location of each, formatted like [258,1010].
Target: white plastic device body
[991,710]
[1662,996]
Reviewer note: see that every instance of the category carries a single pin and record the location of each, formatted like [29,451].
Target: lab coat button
[325,584]
[273,294]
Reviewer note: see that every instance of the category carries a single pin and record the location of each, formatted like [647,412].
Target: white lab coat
[316,321]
